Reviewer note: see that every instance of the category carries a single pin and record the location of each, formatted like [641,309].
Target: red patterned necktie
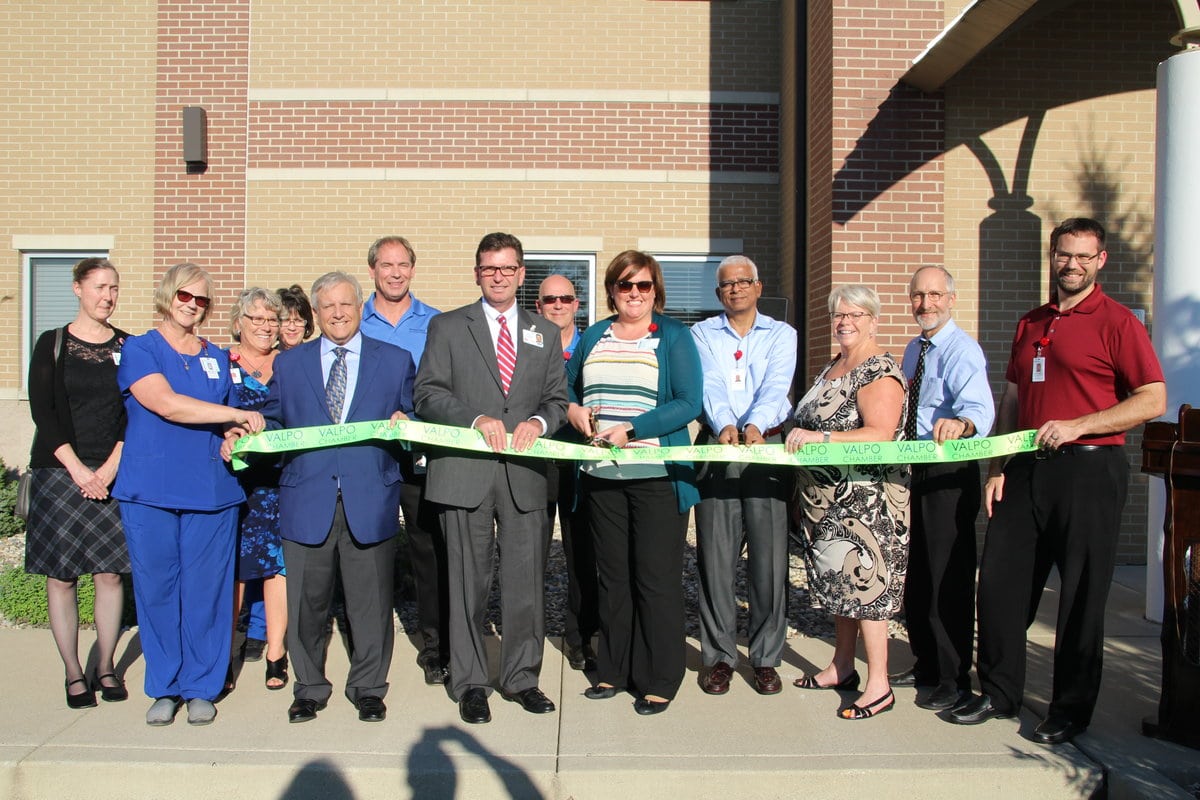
[506,355]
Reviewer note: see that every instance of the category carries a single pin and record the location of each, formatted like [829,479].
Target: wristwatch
[825,437]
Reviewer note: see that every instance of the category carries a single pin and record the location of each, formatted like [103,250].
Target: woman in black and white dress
[74,526]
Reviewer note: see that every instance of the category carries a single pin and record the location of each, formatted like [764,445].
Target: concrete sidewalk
[740,745]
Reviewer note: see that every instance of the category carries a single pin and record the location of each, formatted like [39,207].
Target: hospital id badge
[211,368]
[1039,369]
[737,380]
[235,374]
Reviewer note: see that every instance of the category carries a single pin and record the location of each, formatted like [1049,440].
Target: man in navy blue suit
[338,505]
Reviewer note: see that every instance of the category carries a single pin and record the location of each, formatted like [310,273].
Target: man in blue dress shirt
[951,399]
[394,315]
[749,360]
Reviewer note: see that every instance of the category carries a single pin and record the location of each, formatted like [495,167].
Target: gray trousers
[743,503]
[367,572]
[472,538]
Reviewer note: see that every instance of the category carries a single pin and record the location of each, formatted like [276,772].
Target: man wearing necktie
[498,369]
[338,505]
[949,398]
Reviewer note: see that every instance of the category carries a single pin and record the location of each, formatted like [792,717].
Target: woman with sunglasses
[179,500]
[635,381]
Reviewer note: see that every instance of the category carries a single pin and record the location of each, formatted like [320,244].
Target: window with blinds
[690,283]
[577,268]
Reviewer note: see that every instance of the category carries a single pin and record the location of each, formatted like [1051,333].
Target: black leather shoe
[910,677]
[716,680]
[943,697]
[371,708]
[580,657]
[1053,730]
[473,707]
[435,673]
[976,711]
[532,700]
[647,707]
[303,710]
[600,692]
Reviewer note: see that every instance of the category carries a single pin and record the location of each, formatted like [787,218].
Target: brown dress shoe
[716,680]
[766,681]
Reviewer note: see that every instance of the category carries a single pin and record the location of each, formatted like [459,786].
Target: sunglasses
[642,286]
[551,299]
[187,297]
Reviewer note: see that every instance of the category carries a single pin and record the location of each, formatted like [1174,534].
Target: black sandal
[277,671]
[111,694]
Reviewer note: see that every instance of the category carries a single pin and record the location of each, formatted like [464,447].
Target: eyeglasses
[263,322]
[293,322]
[853,316]
[1084,260]
[187,297]
[487,272]
[741,283]
[933,297]
[642,286]
[551,299]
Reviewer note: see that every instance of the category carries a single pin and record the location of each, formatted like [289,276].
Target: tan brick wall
[76,122]
[628,45]
[302,229]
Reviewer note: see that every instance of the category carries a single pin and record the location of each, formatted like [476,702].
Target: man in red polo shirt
[1082,372]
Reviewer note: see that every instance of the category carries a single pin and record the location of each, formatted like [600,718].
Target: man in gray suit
[495,368]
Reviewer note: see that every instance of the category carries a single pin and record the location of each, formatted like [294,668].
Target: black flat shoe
[111,694]
[277,671]
[976,711]
[846,684]
[600,692]
[85,699]
[647,707]
[1053,730]
[303,710]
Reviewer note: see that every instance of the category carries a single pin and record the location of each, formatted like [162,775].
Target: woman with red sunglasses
[179,501]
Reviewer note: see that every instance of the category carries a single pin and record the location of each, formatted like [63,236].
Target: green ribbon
[922,451]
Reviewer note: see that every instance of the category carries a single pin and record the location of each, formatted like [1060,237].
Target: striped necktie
[914,393]
[335,387]
[506,355]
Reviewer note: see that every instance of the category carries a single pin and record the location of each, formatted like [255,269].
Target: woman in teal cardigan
[635,381]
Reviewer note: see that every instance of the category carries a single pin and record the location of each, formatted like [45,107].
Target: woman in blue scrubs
[179,501]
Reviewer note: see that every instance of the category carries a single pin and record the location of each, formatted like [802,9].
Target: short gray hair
[738,261]
[245,301]
[331,279]
[912,283]
[855,294]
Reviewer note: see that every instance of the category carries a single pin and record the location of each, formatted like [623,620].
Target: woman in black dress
[74,527]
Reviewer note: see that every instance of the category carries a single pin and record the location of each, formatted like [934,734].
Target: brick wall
[203,60]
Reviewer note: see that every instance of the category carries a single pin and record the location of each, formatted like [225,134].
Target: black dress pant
[939,589]
[583,616]
[427,558]
[1063,511]
[639,535]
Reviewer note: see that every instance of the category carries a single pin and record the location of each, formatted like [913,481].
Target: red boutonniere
[653,327]
[234,357]
[737,356]
[1044,341]
[566,356]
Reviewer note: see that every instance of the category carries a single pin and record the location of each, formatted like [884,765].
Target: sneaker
[200,711]
[162,711]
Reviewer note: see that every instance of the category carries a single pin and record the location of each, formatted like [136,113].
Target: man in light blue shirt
[749,360]
[950,400]
[394,315]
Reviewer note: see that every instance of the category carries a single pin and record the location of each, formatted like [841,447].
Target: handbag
[24,490]
[25,482]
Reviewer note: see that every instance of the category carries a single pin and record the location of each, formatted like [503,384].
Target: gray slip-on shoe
[162,711]
[201,711]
